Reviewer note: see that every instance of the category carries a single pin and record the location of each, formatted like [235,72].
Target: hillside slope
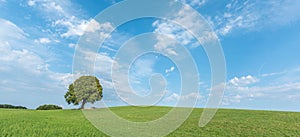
[225,123]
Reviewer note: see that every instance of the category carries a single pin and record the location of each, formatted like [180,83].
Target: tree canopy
[48,107]
[86,89]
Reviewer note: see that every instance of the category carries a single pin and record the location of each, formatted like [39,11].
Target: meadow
[227,122]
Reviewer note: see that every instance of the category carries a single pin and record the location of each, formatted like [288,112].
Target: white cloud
[142,67]
[16,54]
[23,71]
[273,74]
[53,9]
[103,65]
[10,30]
[229,100]
[173,98]
[170,70]
[169,39]
[243,81]
[251,88]
[254,15]
[107,84]
[283,91]
[42,40]
[194,3]
[79,27]
[65,17]
[72,45]
[31,2]
[54,6]
[243,85]
[63,79]
[24,59]
[192,20]
[289,11]
[126,78]
[100,63]
[170,34]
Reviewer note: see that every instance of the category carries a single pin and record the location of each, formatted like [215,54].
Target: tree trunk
[83,103]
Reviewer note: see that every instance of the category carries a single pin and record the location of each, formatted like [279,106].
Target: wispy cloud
[77,27]
[143,67]
[172,34]
[10,31]
[173,98]
[194,3]
[23,70]
[253,15]
[66,19]
[170,38]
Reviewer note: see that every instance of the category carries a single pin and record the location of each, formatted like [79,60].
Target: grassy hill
[225,123]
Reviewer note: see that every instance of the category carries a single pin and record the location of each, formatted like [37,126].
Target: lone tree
[84,89]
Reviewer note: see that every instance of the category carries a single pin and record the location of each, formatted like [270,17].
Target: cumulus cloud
[243,81]
[250,88]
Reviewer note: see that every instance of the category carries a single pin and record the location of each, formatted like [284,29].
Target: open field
[225,123]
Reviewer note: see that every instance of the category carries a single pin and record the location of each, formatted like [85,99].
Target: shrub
[11,106]
[48,107]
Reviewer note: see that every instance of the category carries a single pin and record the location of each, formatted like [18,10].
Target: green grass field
[226,122]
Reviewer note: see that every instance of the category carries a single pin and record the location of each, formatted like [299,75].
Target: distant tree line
[48,107]
[11,106]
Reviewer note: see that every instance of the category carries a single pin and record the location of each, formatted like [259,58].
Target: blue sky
[260,41]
